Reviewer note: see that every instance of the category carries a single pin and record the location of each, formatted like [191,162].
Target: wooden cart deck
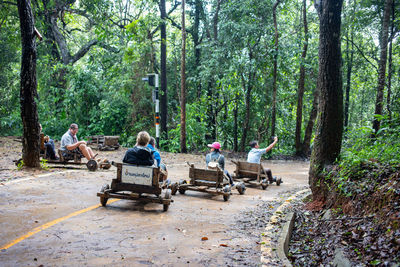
[208,181]
[250,173]
[136,183]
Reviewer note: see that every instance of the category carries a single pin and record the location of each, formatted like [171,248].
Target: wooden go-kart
[136,183]
[104,142]
[209,181]
[69,158]
[74,158]
[252,173]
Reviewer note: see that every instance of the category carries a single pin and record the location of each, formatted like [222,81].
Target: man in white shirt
[70,142]
[255,154]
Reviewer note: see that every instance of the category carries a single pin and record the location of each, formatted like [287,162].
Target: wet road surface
[69,228]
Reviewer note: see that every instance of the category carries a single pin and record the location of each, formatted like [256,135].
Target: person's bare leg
[90,152]
[85,151]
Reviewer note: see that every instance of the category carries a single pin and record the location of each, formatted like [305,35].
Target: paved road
[55,219]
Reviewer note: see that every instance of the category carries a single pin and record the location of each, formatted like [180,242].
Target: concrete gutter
[284,239]
[275,239]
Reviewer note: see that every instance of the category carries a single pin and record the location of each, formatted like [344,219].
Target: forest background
[319,74]
[251,72]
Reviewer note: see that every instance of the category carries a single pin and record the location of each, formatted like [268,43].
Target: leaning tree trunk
[163,67]
[300,90]
[382,65]
[329,131]
[28,89]
[183,84]
[275,71]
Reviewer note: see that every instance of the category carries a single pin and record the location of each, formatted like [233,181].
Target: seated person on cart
[140,154]
[157,157]
[48,145]
[69,142]
[255,154]
[215,157]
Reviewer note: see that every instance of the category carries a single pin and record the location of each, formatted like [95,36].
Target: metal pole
[157,112]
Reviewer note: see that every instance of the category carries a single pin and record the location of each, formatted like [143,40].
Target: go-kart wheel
[241,188]
[174,188]
[264,184]
[227,192]
[103,200]
[278,181]
[165,207]
[180,189]
[167,194]
[92,165]
[106,165]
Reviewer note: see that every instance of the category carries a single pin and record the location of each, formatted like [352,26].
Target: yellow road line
[51,223]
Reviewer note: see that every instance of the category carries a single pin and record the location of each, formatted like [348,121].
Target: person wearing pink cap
[216,156]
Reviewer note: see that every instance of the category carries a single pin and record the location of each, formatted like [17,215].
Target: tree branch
[178,26]
[8,2]
[362,53]
[82,51]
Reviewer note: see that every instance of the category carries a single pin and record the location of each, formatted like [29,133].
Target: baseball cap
[215,145]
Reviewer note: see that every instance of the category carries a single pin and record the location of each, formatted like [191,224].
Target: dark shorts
[71,152]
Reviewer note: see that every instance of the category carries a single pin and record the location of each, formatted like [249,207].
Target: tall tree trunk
[235,125]
[275,71]
[382,65]
[300,90]
[329,131]
[28,89]
[390,68]
[247,118]
[196,42]
[310,125]
[349,59]
[211,111]
[247,88]
[163,67]
[183,83]
[215,20]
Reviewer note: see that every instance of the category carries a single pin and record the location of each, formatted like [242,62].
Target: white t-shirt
[255,154]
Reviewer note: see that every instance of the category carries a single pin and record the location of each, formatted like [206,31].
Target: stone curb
[274,252]
[284,239]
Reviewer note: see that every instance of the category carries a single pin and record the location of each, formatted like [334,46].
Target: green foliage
[10,120]
[44,165]
[103,91]
[196,130]
[362,145]
[365,155]
[20,164]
